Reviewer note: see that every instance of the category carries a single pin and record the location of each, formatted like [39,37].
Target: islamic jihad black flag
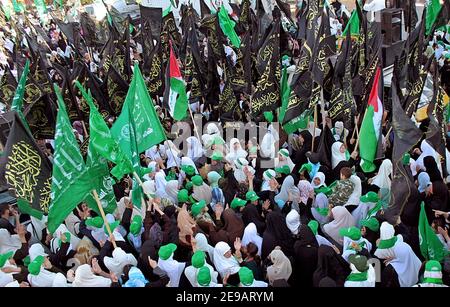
[41,117]
[24,168]
[8,86]
[267,94]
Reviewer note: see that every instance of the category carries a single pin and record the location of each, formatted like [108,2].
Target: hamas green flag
[138,127]
[18,7]
[227,25]
[17,103]
[40,7]
[71,182]
[285,94]
[102,141]
[430,245]
[6,8]
[433,9]
[352,25]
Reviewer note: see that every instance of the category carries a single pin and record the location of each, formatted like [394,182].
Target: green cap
[359,261]
[306,167]
[189,185]
[166,251]
[406,158]
[268,116]
[246,276]
[183,196]
[197,180]
[5,257]
[188,169]
[112,226]
[433,266]
[284,152]
[96,222]
[204,276]
[198,259]
[351,232]
[217,156]
[313,225]
[370,197]
[35,266]
[371,223]
[283,170]
[237,202]
[136,225]
[251,196]
[197,207]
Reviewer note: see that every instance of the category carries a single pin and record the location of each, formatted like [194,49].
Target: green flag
[285,94]
[430,245]
[17,103]
[102,141]
[71,182]
[18,7]
[352,25]
[299,122]
[138,127]
[227,25]
[433,10]
[6,8]
[40,7]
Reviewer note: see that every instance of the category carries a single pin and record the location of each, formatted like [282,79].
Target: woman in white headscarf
[338,153]
[293,221]
[427,150]
[281,267]
[118,261]
[318,180]
[161,182]
[188,161]
[382,179]
[236,151]
[288,188]
[85,277]
[172,153]
[267,176]
[406,264]
[173,268]
[8,242]
[251,236]
[320,209]
[38,275]
[284,159]
[224,261]
[241,165]
[172,191]
[341,219]
[267,147]
[315,132]
[357,191]
[195,149]
[388,240]
[339,132]
[203,245]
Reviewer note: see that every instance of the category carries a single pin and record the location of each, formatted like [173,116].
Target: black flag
[89,29]
[8,85]
[151,19]
[117,90]
[41,118]
[24,168]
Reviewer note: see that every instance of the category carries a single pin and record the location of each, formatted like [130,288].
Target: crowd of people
[214,217]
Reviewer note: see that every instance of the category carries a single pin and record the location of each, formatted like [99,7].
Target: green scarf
[430,280]
[322,211]
[384,244]
[357,276]
[347,155]
[325,190]
[374,210]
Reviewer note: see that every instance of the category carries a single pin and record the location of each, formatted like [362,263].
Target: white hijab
[172,153]
[382,179]
[118,261]
[9,243]
[84,277]
[293,221]
[43,279]
[173,268]
[346,251]
[195,149]
[191,274]
[235,154]
[336,154]
[341,219]
[357,191]
[321,177]
[320,202]
[251,235]
[281,267]
[172,191]
[406,264]
[427,150]
[224,265]
[370,282]
[188,161]
[387,232]
[288,186]
[203,245]
[160,182]
[315,132]
[267,147]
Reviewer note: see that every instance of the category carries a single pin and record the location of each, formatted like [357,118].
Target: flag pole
[100,208]
[193,122]
[315,125]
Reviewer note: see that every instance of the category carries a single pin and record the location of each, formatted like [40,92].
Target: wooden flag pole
[100,208]
[193,122]
[315,125]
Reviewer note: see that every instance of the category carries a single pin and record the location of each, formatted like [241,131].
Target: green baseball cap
[198,259]
[313,225]
[284,152]
[189,185]
[371,223]
[283,169]
[166,251]
[237,202]
[197,207]
[359,261]
[96,222]
[204,276]
[5,257]
[35,266]
[251,196]
[197,180]
[136,225]
[370,197]
[183,196]
[217,156]
[306,167]
[433,266]
[188,169]
[246,276]
[351,232]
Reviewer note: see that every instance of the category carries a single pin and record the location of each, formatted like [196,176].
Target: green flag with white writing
[17,102]
[430,245]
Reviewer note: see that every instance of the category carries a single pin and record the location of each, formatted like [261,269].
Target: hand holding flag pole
[100,208]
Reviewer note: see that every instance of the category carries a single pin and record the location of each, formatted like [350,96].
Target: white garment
[387,232]
[427,150]
[84,277]
[293,221]
[203,245]
[191,274]
[364,243]
[287,187]
[173,268]
[267,147]
[336,154]
[118,261]
[224,265]
[235,154]
[321,177]
[172,191]
[188,161]
[43,279]
[9,242]
[341,219]
[406,264]
[251,235]
[195,149]
[172,153]
[357,191]
[370,282]
[382,179]
[160,182]
[154,152]
[360,212]
[320,202]
[323,241]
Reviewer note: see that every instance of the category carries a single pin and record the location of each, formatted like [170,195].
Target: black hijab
[330,264]
[305,257]
[276,233]
[147,249]
[432,169]
[172,236]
